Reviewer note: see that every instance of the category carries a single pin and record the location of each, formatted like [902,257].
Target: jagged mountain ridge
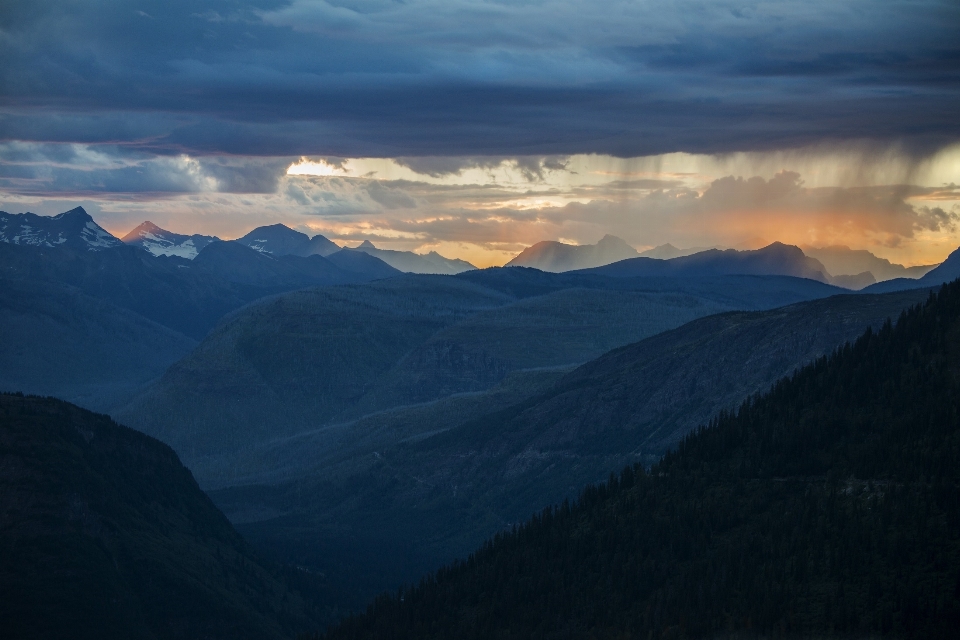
[73,229]
[113,538]
[410,262]
[160,242]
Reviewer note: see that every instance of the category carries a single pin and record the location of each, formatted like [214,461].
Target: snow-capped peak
[161,242]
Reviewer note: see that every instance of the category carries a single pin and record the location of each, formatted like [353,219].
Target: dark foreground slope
[106,535]
[829,506]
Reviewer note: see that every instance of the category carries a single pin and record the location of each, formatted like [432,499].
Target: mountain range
[852,269]
[557,256]
[410,262]
[841,260]
[946,271]
[361,426]
[774,259]
[72,229]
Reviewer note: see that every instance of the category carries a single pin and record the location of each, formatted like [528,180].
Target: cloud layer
[356,78]
[486,208]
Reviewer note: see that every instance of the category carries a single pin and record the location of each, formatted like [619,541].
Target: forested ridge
[829,506]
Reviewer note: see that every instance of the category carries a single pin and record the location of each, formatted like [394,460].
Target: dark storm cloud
[472,78]
[48,169]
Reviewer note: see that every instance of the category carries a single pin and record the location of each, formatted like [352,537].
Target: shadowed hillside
[827,507]
[106,535]
[421,492]
[59,341]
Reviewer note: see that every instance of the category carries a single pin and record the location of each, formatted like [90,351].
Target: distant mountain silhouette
[240,264]
[410,262]
[161,242]
[108,536]
[667,251]
[844,261]
[557,257]
[73,229]
[188,296]
[281,240]
[361,262]
[946,271]
[774,259]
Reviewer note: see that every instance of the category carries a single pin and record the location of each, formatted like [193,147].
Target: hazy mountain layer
[426,496]
[947,271]
[58,341]
[73,229]
[557,256]
[840,261]
[295,361]
[562,328]
[107,535]
[161,242]
[828,507]
[775,259]
[410,262]
[668,251]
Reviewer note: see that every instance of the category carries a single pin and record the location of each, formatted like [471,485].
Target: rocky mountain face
[73,229]
[410,262]
[161,242]
[108,535]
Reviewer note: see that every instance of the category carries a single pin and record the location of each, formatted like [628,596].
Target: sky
[476,128]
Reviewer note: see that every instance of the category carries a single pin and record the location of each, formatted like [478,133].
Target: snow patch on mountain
[161,242]
[74,229]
